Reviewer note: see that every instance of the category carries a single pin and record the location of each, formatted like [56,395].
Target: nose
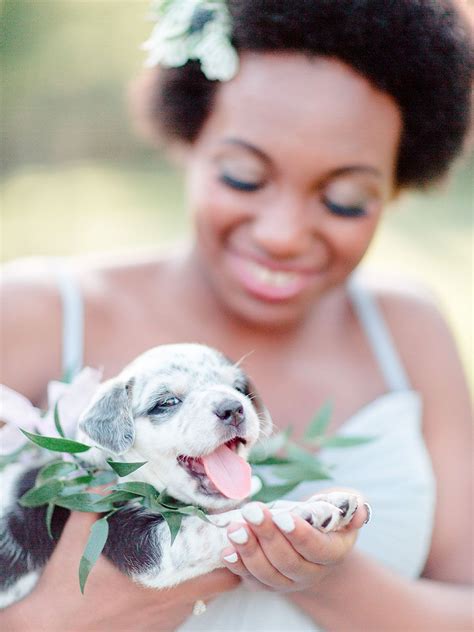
[231,412]
[283,229]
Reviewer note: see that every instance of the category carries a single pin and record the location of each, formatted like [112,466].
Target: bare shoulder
[421,334]
[30,325]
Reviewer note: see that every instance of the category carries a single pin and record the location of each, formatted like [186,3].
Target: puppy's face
[187,411]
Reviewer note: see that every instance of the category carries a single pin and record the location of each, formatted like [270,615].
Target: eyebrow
[342,171]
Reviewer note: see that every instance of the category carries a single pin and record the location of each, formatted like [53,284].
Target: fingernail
[369,513]
[240,536]
[284,521]
[253,513]
[232,558]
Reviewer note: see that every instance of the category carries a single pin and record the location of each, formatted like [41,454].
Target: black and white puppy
[192,415]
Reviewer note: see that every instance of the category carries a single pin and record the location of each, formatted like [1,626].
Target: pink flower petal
[15,411]
[76,397]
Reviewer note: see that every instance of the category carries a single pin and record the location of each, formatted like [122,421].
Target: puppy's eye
[164,405]
[243,388]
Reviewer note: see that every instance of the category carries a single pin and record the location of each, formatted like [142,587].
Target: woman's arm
[361,594]
[111,600]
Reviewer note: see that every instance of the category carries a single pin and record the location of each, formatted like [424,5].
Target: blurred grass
[75,179]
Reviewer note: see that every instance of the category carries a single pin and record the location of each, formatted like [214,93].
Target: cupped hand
[292,557]
[111,600]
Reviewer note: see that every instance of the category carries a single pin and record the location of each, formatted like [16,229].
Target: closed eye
[243,388]
[164,405]
[344,211]
[240,185]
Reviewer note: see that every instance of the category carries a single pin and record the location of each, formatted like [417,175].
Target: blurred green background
[76,178]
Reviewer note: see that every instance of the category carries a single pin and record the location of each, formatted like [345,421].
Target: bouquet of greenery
[66,479]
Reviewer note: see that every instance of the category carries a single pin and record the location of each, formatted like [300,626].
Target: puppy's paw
[328,512]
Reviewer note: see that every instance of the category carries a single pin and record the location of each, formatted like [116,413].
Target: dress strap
[378,335]
[73,321]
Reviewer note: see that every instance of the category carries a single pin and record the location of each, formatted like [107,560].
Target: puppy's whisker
[244,357]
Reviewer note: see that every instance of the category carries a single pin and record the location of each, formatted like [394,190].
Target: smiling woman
[331,110]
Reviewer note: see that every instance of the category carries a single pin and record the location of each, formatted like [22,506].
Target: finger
[230,558]
[313,545]
[254,559]
[277,548]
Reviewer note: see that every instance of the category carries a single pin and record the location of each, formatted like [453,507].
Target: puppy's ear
[108,420]
[266,423]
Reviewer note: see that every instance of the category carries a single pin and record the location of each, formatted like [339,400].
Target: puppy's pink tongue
[229,472]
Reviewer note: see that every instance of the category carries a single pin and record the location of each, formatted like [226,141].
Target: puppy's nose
[231,412]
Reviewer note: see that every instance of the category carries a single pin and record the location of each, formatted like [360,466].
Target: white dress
[393,472]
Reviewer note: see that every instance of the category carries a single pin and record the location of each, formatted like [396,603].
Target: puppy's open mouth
[222,472]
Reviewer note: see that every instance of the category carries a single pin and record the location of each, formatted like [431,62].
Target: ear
[108,420]
[266,423]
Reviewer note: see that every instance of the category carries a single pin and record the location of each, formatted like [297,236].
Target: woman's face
[287,181]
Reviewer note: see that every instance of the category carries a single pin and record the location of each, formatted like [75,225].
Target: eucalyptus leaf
[8,459]
[318,426]
[140,489]
[124,469]
[191,510]
[103,478]
[41,495]
[94,547]
[85,501]
[269,493]
[57,421]
[55,444]
[173,520]
[344,442]
[275,460]
[269,446]
[298,472]
[49,519]
[55,470]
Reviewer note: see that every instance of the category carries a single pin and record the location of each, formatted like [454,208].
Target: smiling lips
[268,284]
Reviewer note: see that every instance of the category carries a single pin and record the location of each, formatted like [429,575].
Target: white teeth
[270,277]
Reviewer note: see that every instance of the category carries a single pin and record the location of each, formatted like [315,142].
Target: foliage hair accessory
[193,30]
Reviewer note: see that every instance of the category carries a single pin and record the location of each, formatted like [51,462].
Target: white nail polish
[284,521]
[253,513]
[240,536]
[232,558]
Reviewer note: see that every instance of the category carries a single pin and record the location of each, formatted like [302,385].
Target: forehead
[314,108]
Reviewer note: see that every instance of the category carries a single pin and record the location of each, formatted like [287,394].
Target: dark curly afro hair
[418,51]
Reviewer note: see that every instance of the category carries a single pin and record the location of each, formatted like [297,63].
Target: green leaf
[120,497]
[94,547]
[344,442]
[123,469]
[41,495]
[49,519]
[303,471]
[57,421]
[55,470]
[269,493]
[318,426]
[191,510]
[103,478]
[85,501]
[55,444]
[140,489]
[275,460]
[173,520]
[269,447]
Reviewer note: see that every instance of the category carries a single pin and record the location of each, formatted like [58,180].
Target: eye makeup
[239,185]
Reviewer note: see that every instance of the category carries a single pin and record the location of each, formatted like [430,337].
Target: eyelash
[164,405]
[344,211]
[336,209]
[239,184]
